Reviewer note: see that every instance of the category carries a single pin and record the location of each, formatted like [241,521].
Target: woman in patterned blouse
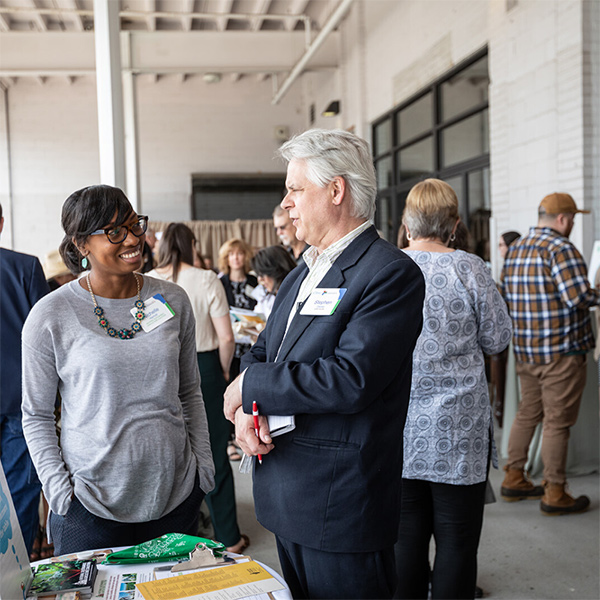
[448,441]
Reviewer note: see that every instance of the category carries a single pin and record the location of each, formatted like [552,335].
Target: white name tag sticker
[323,301]
[157,311]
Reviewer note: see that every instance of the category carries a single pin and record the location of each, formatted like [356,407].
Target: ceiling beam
[38,19]
[4,23]
[151,19]
[186,21]
[142,15]
[164,52]
[261,7]
[296,7]
[223,7]
[76,19]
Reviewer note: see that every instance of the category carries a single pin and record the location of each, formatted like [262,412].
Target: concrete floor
[523,554]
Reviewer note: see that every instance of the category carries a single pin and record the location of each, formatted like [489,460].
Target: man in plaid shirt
[545,285]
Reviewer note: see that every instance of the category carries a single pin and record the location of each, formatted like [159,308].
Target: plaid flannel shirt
[545,285]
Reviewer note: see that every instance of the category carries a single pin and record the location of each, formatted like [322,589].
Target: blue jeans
[80,530]
[23,482]
[453,515]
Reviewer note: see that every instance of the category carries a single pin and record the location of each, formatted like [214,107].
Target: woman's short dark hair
[176,246]
[274,262]
[85,211]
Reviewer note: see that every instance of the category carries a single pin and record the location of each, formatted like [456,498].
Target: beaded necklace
[124,334]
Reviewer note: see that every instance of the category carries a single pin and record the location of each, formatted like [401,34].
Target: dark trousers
[21,476]
[80,530]
[313,573]
[221,501]
[453,515]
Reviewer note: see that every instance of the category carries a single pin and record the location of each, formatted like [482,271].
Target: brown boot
[557,501]
[516,486]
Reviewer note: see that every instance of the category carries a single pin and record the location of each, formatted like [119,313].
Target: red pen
[256,427]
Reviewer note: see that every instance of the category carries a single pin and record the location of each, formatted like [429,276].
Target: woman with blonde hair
[234,264]
[448,441]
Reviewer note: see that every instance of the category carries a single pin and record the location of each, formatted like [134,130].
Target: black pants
[313,573]
[453,515]
[80,530]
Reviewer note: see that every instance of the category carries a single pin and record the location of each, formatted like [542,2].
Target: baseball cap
[558,202]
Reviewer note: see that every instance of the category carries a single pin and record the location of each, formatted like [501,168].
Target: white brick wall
[536,115]
[591,113]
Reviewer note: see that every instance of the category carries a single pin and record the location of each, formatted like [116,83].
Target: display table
[117,582]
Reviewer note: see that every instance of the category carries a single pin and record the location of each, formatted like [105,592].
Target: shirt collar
[331,253]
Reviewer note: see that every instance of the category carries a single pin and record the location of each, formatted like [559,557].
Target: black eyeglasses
[116,235]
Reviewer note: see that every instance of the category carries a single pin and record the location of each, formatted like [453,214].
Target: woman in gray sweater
[134,459]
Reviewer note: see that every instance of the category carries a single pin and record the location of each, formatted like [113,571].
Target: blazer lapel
[334,278]
[280,318]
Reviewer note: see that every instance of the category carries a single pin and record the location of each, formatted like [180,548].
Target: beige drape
[211,235]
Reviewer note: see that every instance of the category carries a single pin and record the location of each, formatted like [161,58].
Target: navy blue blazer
[22,284]
[333,483]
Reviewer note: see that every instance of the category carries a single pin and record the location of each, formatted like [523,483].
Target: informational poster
[222,583]
[15,571]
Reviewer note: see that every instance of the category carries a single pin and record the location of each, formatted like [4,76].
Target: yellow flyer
[223,583]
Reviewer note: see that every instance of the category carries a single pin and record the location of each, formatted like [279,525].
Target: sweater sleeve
[40,385]
[494,324]
[190,395]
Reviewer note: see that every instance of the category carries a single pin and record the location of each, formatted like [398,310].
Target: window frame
[399,188]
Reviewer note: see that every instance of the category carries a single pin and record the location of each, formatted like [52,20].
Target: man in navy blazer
[337,355]
[22,284]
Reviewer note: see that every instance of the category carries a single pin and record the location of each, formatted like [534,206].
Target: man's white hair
[330,153]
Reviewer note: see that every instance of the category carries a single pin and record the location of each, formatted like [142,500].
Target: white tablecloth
[112,585]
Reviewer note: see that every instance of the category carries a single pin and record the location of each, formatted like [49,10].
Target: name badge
[157,311]
[323,301]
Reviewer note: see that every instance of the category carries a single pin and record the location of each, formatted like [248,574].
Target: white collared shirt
[318,266]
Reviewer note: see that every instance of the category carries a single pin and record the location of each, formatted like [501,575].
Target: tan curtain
[211,235]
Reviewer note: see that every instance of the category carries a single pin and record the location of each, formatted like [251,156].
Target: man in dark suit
[337,355]
[22,284]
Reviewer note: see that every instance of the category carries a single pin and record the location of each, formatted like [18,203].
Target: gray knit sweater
[134,430]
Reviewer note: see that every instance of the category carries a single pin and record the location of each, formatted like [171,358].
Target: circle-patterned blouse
[449,423]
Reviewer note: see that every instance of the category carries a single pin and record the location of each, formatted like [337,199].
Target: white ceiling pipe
[298,68]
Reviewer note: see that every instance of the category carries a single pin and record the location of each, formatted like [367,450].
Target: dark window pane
[466,139]
[416,118]
[416,160]
[383,137]
[479,190]
[479,211]
[456,183]
[466,89]
[383,217]
[384,172]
